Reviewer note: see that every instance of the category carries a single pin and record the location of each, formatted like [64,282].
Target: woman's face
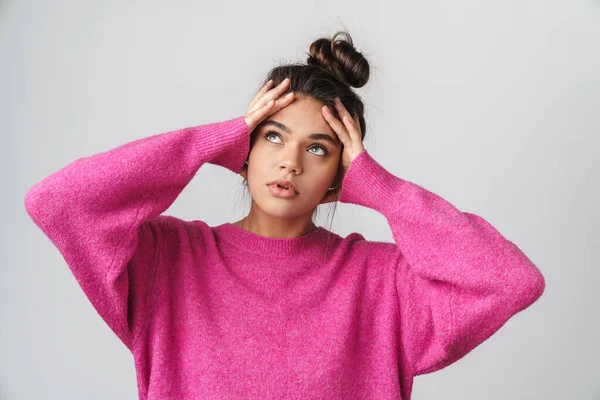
[310,163]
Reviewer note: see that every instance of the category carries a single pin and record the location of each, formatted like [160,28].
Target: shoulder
[370,250]
[177,239]
[173,230]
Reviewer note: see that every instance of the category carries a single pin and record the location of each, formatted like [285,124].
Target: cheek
[257,153]
[322,179]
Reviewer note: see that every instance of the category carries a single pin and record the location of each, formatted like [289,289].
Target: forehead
[303,116]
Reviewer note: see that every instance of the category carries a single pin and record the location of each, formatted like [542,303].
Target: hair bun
[340,58]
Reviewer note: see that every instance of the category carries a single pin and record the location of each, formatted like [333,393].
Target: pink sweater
[222,313]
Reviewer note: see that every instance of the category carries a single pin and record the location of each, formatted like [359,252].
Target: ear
[330,197]
[244,172]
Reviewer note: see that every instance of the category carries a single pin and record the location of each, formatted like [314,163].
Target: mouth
[282,191]
[284,185]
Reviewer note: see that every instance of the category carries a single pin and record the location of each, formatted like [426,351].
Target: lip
[282,193]
[285,183]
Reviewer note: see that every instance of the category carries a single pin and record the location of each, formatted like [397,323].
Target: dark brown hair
[332,68]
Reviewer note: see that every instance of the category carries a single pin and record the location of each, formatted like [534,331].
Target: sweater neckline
[311,242]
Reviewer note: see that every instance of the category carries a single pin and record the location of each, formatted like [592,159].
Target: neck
[283,230]
[276,227]
[311,245]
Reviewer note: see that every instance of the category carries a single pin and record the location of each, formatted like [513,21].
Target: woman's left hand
[348,130]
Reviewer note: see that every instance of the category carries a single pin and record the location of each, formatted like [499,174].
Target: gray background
[493,105]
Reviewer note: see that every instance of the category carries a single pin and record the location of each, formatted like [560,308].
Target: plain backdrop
[495,106]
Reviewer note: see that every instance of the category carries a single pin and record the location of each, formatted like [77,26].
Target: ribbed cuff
[369,184]
[229,141]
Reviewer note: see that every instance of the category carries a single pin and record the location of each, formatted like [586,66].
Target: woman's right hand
[265,103]
[261,107]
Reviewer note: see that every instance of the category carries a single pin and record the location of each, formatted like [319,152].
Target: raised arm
[99,211]
[458,279]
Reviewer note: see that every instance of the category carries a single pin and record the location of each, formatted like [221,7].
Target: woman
[273,306]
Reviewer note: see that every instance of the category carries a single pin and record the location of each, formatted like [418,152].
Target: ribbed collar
[312,243]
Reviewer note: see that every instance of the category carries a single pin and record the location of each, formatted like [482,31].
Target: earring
[332,188]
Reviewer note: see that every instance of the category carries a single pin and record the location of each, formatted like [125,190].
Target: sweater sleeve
[458,280]
[100,212]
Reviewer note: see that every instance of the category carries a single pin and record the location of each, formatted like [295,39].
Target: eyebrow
[314,136]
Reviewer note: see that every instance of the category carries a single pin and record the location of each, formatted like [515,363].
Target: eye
[272,133]
[320,147]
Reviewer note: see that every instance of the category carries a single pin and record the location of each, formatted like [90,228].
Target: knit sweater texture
[218,312]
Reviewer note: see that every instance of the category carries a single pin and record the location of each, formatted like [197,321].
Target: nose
[291,161]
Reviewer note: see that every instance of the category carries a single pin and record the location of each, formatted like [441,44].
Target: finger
[338,126]
[283,101]
[254,117]
[357,124]
[260,93]
[259,113]
[270,107]
[274,93]
[351,122]
[341,109]
[353,129]
[278,104]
